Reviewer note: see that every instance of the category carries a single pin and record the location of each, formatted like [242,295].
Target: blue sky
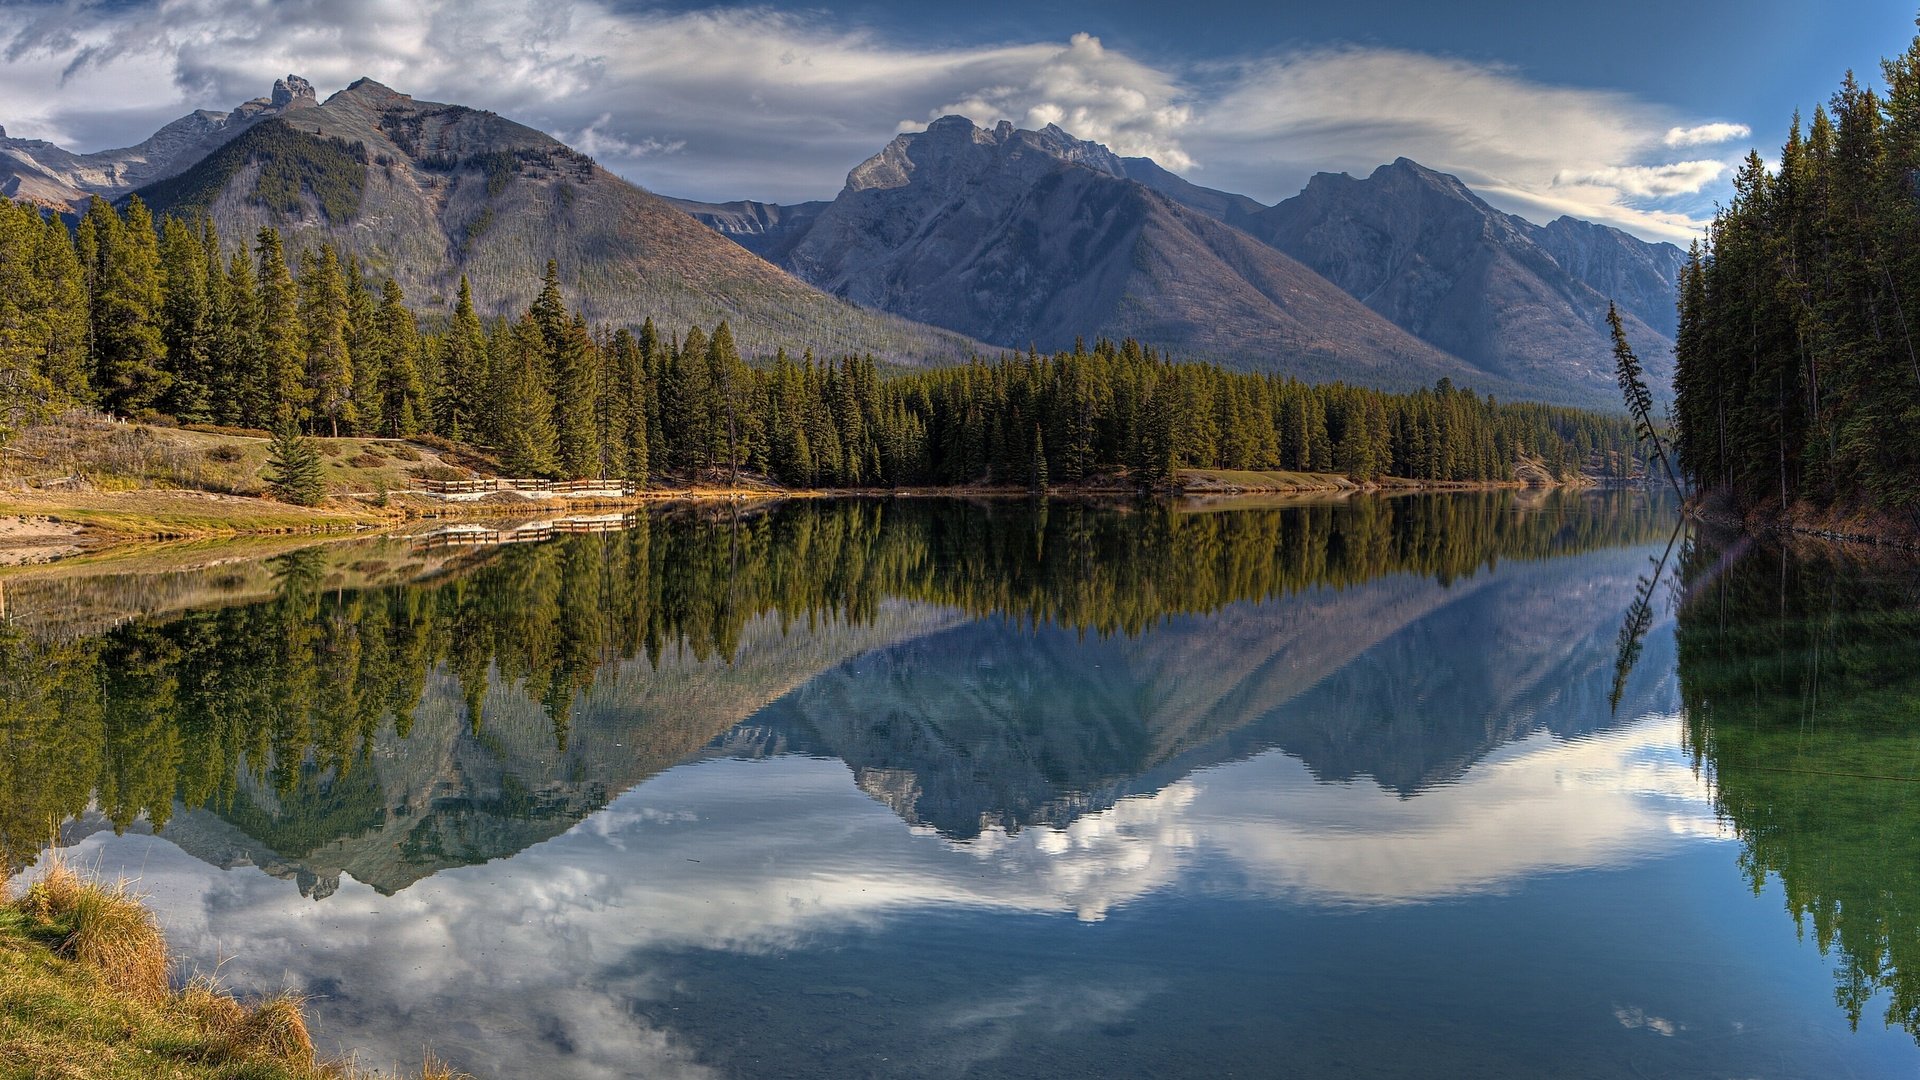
[1628,113]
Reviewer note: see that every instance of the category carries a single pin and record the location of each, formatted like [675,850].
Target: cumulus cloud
[1705,134]
[751,101]
[1096,94]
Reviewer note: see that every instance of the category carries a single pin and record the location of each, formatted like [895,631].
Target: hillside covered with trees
[1798,378]
[169,321]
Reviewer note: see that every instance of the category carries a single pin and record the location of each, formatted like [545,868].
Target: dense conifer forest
[1799,342]
[171,321]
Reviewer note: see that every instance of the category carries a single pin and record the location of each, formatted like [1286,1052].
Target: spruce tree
[131,353]
[574,362]
[400,389]
[293,471]
[187,322]
[63,330]
[459,408]
[526,437]
[281,337]
[324,314]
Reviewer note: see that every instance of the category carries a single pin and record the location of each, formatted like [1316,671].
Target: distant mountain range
[954,240]
[1018,237]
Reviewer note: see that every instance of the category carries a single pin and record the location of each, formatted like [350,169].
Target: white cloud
[1706,134]
[598,140]
[1509,137]
[1096,94]
[1648,181]
[701,103]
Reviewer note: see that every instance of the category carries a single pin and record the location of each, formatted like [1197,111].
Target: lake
[1488,785]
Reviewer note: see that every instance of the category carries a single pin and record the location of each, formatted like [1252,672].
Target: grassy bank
[86,994]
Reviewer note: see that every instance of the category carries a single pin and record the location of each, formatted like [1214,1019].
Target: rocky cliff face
[759,227]
[1428,254]
[1641,277]
[426,192]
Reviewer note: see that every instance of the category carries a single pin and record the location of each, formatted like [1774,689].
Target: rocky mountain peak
[954,148]
[293,91]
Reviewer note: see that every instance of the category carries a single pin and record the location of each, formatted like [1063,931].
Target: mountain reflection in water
[933,788]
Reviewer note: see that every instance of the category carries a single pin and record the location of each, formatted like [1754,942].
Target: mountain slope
[425,192]
[40,172]
[1426,253]
[1641,277]
[1022,238]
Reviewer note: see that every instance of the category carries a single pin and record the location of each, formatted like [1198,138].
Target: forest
[171,322]
[1798,369]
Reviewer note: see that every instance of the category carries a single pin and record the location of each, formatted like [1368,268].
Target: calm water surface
[1480,786]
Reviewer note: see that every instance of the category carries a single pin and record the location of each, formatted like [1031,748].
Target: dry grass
[89,452]
[159,515]
[85,995]
[105,928]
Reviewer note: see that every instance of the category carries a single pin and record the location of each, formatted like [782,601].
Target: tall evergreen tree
[281,337]
[324,314]
[130,351]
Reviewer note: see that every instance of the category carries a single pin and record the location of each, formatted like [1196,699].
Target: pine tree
[239,370]
[526,437]
[574,362]
[281,337]
[460,408]
[61,285]
[293,465]
[402,392]
[187,322]
[324,313]
[633,450]
[131,376]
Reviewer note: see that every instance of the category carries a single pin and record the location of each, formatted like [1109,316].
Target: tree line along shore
[170,323]
[1797,387]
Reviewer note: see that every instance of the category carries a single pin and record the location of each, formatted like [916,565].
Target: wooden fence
[472,536]
[558,487]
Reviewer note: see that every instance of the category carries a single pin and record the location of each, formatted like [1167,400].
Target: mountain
[1519,300]
[759,227]
[424,192]
[40,172]
[1225,206]
[1639,276]
[1022,238]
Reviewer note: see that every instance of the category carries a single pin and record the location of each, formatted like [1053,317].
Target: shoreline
[1837,525]
[38,527]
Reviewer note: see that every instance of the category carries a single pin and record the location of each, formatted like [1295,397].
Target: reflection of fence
[503,483]
[532,532]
